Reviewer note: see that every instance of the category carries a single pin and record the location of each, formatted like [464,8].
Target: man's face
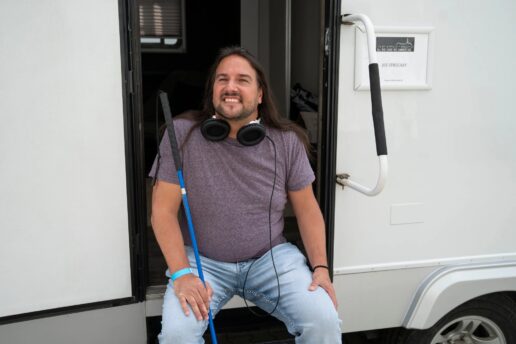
[236,93]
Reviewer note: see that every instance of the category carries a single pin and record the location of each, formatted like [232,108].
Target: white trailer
[431,259]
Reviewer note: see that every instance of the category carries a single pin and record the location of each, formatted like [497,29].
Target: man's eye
[244,81]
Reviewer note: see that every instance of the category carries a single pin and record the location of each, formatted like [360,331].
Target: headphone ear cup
[214,129]
[251,134]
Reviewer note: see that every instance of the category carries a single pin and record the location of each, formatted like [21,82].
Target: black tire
[497,309]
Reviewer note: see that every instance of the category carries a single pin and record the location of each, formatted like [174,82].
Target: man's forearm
[311,227]
[170,239]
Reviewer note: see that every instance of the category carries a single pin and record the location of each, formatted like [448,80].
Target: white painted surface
[443,143]
[413,264]
[451,149]
[113,325]
[64,223]
[447,290]
[407,213]
[376,300]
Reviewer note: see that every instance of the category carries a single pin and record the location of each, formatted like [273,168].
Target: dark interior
[209,26]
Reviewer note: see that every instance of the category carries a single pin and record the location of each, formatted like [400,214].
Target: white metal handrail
[381,146]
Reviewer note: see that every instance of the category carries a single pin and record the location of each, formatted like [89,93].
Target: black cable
[270,243]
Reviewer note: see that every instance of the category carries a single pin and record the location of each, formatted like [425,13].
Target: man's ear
[260,96]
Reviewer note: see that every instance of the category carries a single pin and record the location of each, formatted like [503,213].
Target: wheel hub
[470,330]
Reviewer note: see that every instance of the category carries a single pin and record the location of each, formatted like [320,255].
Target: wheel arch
[452,286]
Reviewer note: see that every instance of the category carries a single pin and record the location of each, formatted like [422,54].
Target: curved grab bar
[343,179]
[376,101]
[371,38]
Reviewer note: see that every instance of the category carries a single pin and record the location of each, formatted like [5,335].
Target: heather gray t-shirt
[229,188]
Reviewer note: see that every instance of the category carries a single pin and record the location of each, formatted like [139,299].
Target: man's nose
[231,86]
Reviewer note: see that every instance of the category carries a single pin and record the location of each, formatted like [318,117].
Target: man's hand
[190,290]
[321,278]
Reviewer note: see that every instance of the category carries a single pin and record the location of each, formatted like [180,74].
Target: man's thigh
[298,307]
[221,277]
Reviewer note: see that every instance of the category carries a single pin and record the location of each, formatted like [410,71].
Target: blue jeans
[308,315]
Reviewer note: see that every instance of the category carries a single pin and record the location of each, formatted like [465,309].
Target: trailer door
[64,238]
[447,126]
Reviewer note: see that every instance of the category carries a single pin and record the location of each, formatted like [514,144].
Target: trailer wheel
[488,319]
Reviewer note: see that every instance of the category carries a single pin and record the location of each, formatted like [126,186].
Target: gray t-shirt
[229,189]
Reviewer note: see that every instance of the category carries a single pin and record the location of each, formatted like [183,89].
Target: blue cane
[177,161]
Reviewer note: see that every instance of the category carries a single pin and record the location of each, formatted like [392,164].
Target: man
[237,194]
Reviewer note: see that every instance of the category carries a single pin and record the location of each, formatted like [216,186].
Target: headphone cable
[270,243]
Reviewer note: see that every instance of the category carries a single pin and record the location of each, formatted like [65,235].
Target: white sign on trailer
[404,58]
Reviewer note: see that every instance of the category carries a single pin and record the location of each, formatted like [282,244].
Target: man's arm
[166,200]
[311,227]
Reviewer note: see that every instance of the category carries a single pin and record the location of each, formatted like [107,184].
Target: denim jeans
[308,315]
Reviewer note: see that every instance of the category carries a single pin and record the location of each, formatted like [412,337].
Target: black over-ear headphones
[216,129]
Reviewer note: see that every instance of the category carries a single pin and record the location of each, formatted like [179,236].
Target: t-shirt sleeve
[299,171]
[163,167]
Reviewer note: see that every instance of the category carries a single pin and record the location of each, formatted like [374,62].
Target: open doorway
[284,35]
[287,39]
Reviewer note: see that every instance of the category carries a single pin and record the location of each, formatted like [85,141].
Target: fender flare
[451,286]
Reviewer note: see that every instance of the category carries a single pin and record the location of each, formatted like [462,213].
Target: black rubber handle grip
[376,101]
[170,128]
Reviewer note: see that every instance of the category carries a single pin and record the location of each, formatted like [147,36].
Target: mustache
[230,94]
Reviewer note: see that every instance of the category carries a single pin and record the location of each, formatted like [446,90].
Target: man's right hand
[190,290]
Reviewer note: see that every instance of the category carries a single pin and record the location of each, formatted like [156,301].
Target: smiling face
[236,93]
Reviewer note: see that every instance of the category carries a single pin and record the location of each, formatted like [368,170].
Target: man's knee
[323,328]
[327,321]
[320,322]
[182,332]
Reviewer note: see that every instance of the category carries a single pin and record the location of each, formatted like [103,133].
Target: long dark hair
[267,109]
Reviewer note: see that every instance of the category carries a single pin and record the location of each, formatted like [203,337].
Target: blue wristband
[180,273]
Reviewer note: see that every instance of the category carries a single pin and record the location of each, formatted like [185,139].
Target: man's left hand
[321,278]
